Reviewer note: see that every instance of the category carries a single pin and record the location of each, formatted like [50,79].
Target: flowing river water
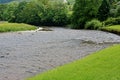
[25,54]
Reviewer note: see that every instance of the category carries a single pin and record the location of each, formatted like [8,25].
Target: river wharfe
[25,54]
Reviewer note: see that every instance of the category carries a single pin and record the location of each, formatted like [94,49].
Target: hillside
[7,1]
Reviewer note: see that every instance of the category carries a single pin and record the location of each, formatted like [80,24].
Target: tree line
[85,11]
[36,12]
[83,14]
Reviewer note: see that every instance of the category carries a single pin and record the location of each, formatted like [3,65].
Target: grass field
[113,29]
[102,65]
[11,27]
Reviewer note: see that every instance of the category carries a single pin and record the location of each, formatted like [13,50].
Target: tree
[40,12]
[29,14]
[55,14]
[104,10]
[2,9]
[17,16]
[9,10]
[83,11]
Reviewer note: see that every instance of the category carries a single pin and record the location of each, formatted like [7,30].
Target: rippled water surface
[24,54]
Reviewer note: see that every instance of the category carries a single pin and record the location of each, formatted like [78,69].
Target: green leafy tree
[30,13]
[2,9]
[104,10]
[27,12]
[40,12]
[9,10]
[17,15]
[55,14]
[83,11]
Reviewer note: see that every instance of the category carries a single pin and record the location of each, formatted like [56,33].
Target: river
[27,53]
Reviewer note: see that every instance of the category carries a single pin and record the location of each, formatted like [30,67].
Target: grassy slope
[114,29]
[102,65]
[8,27]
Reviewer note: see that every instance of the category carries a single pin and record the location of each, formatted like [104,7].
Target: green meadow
[11,27]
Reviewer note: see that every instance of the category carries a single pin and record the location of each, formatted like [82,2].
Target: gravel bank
[24,54]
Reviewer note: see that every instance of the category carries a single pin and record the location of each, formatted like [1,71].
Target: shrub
[93,24]
[112,21]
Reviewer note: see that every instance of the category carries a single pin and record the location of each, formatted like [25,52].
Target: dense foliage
[84,10]
[112,21]
[104,10]
[37,12]
[58,13]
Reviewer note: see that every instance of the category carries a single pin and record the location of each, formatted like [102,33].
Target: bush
[93,24]
[112,21]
